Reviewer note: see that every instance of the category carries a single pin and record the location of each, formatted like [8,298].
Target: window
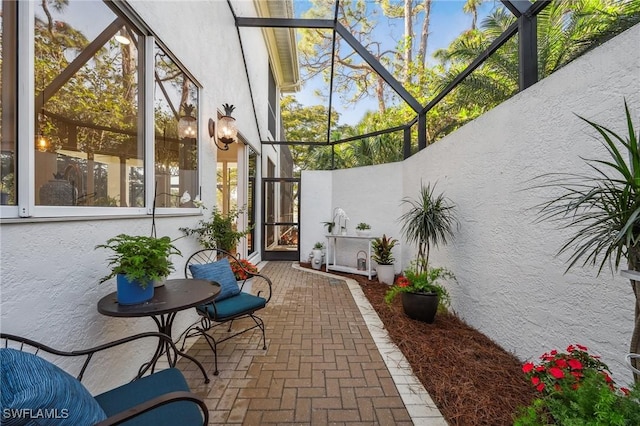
[90,147]
[89,139]
[176,134]
[273,104]
[251,200]
[8,73]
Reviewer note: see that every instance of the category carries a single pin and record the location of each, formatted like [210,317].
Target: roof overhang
[281,44]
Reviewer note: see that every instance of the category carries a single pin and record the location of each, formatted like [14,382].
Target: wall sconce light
[187,123]
[227,130]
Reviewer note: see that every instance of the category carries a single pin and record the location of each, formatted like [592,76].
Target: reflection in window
[8,103]
[89,143]
[176,134]
[251,200]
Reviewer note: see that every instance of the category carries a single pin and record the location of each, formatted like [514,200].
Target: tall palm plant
[604,209]
[429,220]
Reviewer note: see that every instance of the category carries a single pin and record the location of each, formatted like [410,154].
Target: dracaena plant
[603,209]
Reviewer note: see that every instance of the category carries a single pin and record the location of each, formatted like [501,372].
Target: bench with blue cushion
[35,391]
[231,303]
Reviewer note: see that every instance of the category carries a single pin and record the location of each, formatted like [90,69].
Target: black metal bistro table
[174,296]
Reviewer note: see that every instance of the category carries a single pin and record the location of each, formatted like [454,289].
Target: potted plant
[383,256]
[219,231]
[243,270]
[422,293]
[329,226]
[603,208]
[136,262]
[363,229]
[429,220]
[316,255]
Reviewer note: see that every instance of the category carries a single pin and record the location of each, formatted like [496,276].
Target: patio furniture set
[34,388]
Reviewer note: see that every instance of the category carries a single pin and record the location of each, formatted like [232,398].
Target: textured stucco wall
[510,283]
[511,286]
[49,270]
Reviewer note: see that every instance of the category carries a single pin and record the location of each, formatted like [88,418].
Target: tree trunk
[408,38]
[424,35]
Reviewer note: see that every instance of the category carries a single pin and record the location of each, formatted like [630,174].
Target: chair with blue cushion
[231,304]
[35,391]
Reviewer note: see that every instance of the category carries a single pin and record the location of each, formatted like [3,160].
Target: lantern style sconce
[187,123]
[227,131]
[42,143]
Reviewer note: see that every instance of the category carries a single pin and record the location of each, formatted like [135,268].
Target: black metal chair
[235,307]
[31,384]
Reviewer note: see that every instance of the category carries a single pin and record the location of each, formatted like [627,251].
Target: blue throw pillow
[33,391]
[219,272]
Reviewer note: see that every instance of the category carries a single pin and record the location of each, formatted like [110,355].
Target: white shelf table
[332,249]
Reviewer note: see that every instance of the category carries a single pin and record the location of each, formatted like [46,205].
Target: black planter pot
[420,306]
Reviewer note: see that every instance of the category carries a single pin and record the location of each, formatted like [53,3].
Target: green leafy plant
[363,226]
[382,247]
[318,246]
[429,220]
[219,231]
[417,279]
[329,226]
[603,207]
[140,258]
[576,389]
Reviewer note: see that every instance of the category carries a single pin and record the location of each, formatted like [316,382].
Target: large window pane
[8,103]
[89,144]
[176,134]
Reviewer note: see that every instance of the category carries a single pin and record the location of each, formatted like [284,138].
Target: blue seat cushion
[176,413]
[33,391]
[239,304]
[220,272]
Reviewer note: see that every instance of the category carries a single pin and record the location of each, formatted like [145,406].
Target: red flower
[556,372]
[403,282]
[607,378]
[577,374]
[540,368]
[535,380]
[561,363]
[540,387]
[571,348]
[526,368]
[554,352]
[582,348]
[625,391]
[575,364]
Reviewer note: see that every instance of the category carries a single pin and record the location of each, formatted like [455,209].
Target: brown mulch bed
[472,380]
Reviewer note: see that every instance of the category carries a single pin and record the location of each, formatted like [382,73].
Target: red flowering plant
[559,371]
[576,389]
[242,269]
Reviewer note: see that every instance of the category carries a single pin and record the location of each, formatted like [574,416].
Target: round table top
[175,295]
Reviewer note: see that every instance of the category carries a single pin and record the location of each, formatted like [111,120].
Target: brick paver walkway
[322,365]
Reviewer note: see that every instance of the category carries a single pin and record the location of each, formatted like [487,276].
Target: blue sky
[446,23]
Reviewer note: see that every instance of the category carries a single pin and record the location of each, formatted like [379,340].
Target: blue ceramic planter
[131,293]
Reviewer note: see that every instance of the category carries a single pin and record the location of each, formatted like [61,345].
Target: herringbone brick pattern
[321,365]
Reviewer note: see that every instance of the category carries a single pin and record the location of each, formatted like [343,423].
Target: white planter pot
[386,273]
[316,260]
[363,232]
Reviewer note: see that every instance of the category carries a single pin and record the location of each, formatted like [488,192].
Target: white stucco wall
[49,269]
[367,194]
[511,286]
